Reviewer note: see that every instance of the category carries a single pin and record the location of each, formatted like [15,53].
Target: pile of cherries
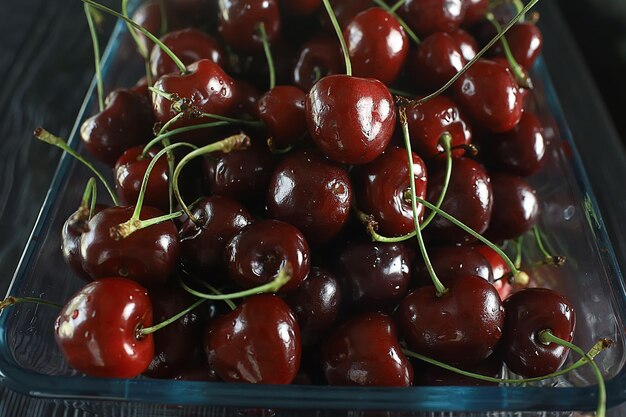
[283,184]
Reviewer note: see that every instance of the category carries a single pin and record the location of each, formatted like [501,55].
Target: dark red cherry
[300,7]
[525,41]
[97,330]
[254,68]
[239,22]
[466,42]
[72,231]
[451,262]
[475,11]
[148,256]
[197,372]
[345,11]
[515,207]
[312,193]
[128,174]
[459,327]
[202,244]
[282,111]
[257,254]
[528,312]
[318,58]
[489,94]
[431,375]
[382,191]
[258,343]
[149,16]
[126,121]
[429,16]
[350,119]
[375,36]
[365,352]
[429,120]
[190,45]
[375,275]
[499,269]
[469,199]
[315,304]
[249,96]
[437,59]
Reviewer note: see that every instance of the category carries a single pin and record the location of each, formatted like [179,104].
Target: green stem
[268,55]
[96,56]
[215,291]
[9,301]
[401,93]
[170,157]
[123,230]
[175,132]
[342,40]
[406,27]
[90,196]
[45,136]
[143,51]
[397,5]
[519,6]
[164,20]
[548,258]
[547,337]
[148,330]
[518,251]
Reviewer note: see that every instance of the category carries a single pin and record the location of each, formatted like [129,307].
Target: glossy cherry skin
[489,94]
[515,207]
[528,312]
[148,256]
[258,343]
[382,187]
[375,275]
[525,40]
[190,45]
[149,16]
[520,151]
[300,7]
[466,42]
[437,59]
[239,22]
[429,16]
[97,329]
[365,352]
[459,327]
[469,199]
[499,269]
[312,193]
[375,36]
[319,57]
[260,251]
[128,174]
[202,244]
[451,262]
[126,121]
[350,119]
[315,304]
[475,11]
[71,233]
[282,111]
[429,120]
[345,11]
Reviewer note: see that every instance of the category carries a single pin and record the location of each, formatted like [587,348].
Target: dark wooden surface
[45,69]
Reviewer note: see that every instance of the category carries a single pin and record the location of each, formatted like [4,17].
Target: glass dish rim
[221,394]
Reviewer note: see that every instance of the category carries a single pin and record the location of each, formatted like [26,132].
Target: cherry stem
[214,291]
[283,276]
[9,301]
[162,136]
[596,349]
[519,6]
[404,94]
[523,80]
[45,136]
[342,40]
[547,337]
[548,258]
[143,30]
[392,12]
[471,62]
[148,330]
[143,51]
[88,202]
[268,55]
[439,287]
[122,231]
[170,157]
[164,20]
[396,6]
[238,141]
[96,55]
[518,251]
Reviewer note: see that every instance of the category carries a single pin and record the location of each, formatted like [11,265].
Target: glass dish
[30,362]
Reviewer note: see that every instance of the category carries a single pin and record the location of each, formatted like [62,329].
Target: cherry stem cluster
[268,55]
[342,40]
[96,55]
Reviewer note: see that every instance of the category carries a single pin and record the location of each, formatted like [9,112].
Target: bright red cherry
[282,111]
[525,41]
[239,22]
[319,57]
[466,42]
[437,59]
[451,262]
[475,11]
[429,16]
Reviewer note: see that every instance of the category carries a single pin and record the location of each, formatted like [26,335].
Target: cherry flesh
[429,16]
[319,57]
[71,233]
[239,22]
[282,111]
[451,262]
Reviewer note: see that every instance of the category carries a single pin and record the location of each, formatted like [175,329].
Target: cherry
[148,256]
[375,36]
[525,41]
[469,198]
[282,111]
[319,57]
[149,16]
[190,45]
[300,7]
[257,254]
[375,275]
[429,120]
[71,233]
[429,16]
[255,67]
[350,119]
[249,95]
[315,304]
[259,342]
[200,372]
[239,22]
[437,59]
[345,11]
[528,312]
[126,121]
[499,268]
[365,351]
[97,330]
[467,43]
[461,326]
[312,193]
[520,151]
[515,207]
[475,11]
[451,262]
[128,174]
[203,243]
[489,94]
[382,188]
